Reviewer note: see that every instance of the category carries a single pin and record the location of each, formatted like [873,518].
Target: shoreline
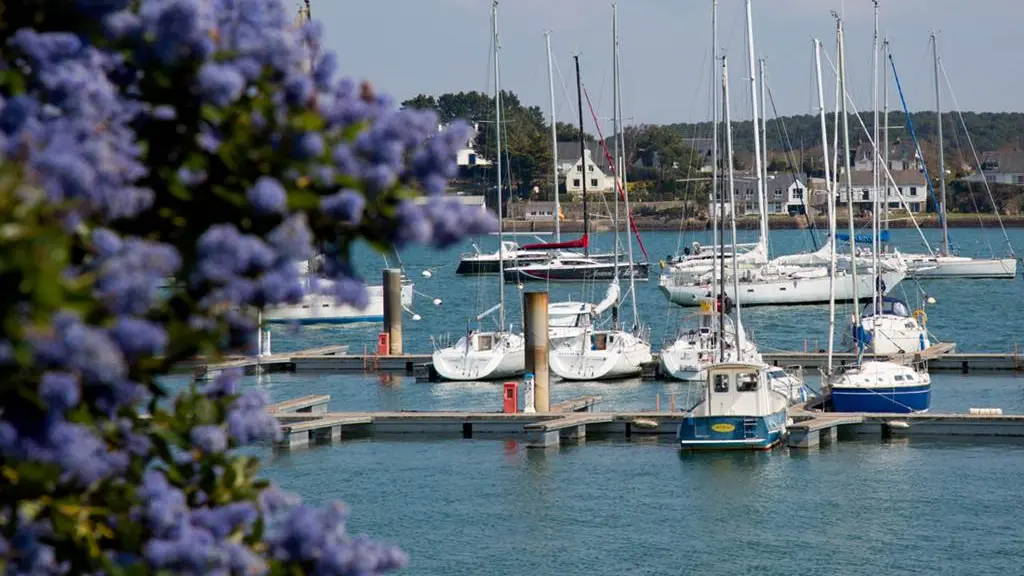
[775,223]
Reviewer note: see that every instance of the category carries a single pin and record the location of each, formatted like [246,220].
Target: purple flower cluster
[317,540]
[195,540]
[440,221]
[145,280]
[77,144]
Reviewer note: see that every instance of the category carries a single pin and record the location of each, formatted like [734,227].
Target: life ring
[921,316]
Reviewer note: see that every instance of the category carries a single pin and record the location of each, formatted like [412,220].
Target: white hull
[482,356]
[689,355]
[324,309]
[923,266]
[684,361]
[624,356]
[814,290]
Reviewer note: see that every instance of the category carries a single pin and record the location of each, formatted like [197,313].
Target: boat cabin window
[721,382]
[898,377]
[776,374]
[889,306]
[746,382]
[484,342]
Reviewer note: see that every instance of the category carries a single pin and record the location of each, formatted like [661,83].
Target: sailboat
[872,386]
[561,267]
[484,355]
[888,325]
[739,408]
[611,353]
[946,264]
[699,336]
[785,280]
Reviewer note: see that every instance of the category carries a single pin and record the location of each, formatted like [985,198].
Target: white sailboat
[887,323]
[873,386]
[946,264]
[708,335]
[777,282]
[612,353]
[484,355]
[740,408]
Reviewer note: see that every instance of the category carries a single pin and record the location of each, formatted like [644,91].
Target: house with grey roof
[1000,167]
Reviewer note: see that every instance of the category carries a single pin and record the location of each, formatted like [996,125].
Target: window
[916,206]
[593,182]
[865,194]
[575,182]
[721,382]
[472,159]
[750,193]
[591,167]
[913,190]
[778,192]
[747,382]
[798,194]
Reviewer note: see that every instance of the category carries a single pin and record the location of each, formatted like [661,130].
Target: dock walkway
[940,357]
[305,420]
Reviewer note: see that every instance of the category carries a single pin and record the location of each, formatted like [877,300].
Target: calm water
[611,506]
[979,315]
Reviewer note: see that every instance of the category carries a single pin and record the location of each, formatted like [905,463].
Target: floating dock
[306,420]
[940,358]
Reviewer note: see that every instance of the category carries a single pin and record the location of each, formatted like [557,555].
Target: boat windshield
[888,306]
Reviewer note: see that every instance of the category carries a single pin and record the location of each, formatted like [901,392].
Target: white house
[1001,167]
[597,180]
[910,183]
[786,194]
[902,156]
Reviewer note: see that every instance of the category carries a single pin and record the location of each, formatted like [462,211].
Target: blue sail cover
[883,236]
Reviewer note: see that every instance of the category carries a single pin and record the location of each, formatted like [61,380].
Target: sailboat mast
[885,130]
[583,157]
[875,287]
[942,161]
[497,168]
[764,129]
[615,131]
[846,168]
[625,191]
[831,209]
[554,141]
[620,168]
[732,212]
[762,196]
[715,199]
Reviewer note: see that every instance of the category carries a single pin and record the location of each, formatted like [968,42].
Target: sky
[406,47]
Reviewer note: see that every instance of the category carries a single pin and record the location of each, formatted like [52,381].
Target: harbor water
[639,506]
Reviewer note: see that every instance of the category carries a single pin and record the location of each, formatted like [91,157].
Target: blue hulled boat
[881,387]
[740,410]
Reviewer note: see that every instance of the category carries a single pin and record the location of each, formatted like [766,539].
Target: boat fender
[921,316]
[898,424]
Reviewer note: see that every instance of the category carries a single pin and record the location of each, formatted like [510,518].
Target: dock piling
[535,305]
[393,309]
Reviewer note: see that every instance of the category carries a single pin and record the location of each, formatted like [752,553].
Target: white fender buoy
[520,286]
[898,424]
[427,273]
[437,301]
[416,317]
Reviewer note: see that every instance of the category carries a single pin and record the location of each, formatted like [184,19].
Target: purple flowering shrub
[163,166]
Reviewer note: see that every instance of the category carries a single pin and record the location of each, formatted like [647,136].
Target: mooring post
[536,331]
[393,309]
